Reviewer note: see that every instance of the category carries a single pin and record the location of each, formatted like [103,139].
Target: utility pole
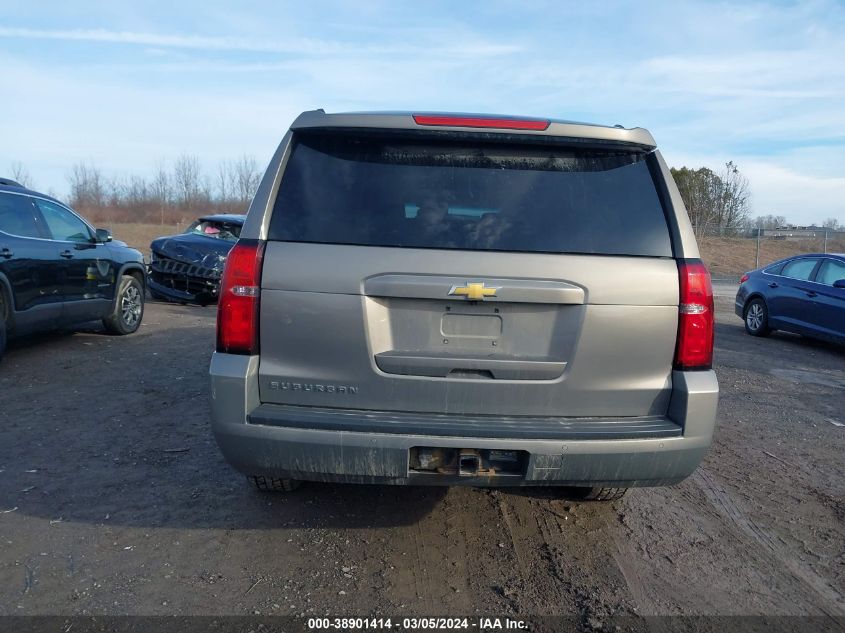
[825,241]
[757,256]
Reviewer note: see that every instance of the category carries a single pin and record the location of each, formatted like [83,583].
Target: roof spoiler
[549,129]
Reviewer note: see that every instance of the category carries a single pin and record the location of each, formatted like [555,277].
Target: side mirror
[839,283]
[103,235]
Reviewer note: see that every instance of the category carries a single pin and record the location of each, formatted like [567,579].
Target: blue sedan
[804,294]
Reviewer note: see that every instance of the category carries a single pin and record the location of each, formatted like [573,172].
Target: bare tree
[247,178]
[237,182]
[205,191]
[225,182]
[87,189]
[732,197]
[116,190]
[173,192]
[695,186]
[715,201]
[136,192]
[161,189]
[21,174]
[833,224]
[769,221]
[187,183]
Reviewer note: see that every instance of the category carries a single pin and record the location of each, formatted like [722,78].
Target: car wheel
[599,493]
[273,484]
[128,308]
[757,318]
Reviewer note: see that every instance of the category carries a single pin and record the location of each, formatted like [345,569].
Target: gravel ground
[115,500]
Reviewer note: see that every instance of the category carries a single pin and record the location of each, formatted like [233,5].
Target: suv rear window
[420,193]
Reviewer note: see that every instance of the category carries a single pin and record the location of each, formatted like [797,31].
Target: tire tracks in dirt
[723,502]
[444,562]
[564,558]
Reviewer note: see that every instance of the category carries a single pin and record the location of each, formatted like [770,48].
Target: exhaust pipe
[469,462]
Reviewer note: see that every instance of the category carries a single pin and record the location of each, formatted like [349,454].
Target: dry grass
[730,257]
[726,257]
[140,235]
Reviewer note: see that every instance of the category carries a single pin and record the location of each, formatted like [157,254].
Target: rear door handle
[773,285]
[66,254]
[5,252]
[812,293]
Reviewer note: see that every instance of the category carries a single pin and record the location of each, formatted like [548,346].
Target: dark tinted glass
[16,215]
[410,193]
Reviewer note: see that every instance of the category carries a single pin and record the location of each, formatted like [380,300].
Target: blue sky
[127,85]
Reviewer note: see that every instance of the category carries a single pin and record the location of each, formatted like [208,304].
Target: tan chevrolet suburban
[465,299]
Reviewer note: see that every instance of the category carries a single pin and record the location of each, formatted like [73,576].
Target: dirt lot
[115,500]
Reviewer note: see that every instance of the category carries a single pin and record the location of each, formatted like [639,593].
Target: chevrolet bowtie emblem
[473,291]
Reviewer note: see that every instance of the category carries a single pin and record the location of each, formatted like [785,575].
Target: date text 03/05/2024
[411,624]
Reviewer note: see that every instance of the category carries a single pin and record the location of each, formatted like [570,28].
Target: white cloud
[803,198]
[298,45]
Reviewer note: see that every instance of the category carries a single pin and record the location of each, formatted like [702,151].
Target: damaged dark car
[186,268]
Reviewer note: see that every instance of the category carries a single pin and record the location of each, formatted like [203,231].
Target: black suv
[56,270]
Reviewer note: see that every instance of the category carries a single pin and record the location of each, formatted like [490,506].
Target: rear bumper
[740,300]
[311,444]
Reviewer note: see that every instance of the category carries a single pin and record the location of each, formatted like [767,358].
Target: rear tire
[600,493]
[128,307]
[274,484]
[757,318]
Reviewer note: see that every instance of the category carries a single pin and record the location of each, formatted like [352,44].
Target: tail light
[696,318]
[744,278]
[238,301]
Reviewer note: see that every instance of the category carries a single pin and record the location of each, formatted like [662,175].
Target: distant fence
[820,234]
[730,252]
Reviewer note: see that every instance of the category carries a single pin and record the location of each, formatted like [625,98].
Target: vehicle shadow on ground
[232,505]
[36,341]
[569,494]
[47,340]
